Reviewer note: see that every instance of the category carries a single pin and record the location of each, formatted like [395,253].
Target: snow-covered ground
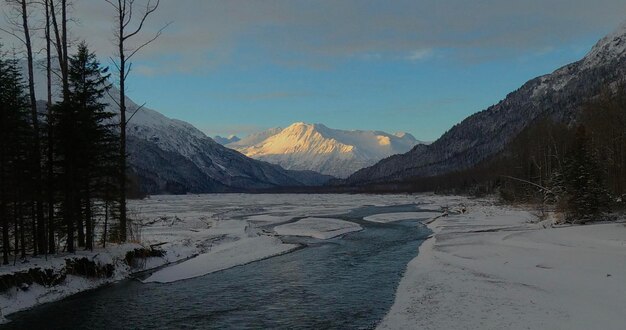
[321,228]
[23,298]
[494,268]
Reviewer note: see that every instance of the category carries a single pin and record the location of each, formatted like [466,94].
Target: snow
[222,257]
[206,232]
[495,268]
[321,228]
[391,217]
[316,147]
[16,300]
[613,46]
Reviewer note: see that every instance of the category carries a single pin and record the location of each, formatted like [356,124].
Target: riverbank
[495,267]
[200,234]
[195,251]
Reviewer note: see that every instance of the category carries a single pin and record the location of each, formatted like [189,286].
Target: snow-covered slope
[255,138]
[205,160]
[559,96]
[226,140]
[318,148]
[172,156]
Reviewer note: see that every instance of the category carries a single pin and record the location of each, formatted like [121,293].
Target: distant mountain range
[226,140]
[172,156]
[559,95]
[321,149]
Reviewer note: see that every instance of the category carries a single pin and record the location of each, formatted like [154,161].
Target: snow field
[492,268]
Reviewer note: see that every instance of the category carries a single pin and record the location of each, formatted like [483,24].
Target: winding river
[342,283]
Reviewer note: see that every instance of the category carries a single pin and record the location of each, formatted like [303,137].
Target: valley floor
[199,234]
[494,267]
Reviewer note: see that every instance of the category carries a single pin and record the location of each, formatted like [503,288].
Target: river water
[342,283]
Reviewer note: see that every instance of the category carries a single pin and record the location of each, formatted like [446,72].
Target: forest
[63,161]
[577,169]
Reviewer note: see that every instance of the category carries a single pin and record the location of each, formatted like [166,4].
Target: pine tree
[86,145]
[15,151]
[587,195]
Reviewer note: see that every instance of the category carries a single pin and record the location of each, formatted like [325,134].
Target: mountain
[318,148]
[226,140]
[559,95]
[254,138]
[172,156]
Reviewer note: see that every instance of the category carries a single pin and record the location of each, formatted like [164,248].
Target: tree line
[63,161]
[576,168]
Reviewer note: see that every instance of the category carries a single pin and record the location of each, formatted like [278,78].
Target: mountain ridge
[316,147]
[173,156]
[558,95]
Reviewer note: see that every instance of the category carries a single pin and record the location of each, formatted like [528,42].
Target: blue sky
[424,97]
[237,66]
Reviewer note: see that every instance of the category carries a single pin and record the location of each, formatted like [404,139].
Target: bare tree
[22,32]
[60,40]
[50,167]
[128,25]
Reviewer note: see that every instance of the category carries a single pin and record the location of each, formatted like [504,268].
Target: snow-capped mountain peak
[226,140]
[611,47]
[319,148]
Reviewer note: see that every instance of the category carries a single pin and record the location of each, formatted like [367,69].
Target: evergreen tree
[15,139]
[86,145]
[587,195]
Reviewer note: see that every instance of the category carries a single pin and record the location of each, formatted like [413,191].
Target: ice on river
[400,216]
[321,228]
[223,256]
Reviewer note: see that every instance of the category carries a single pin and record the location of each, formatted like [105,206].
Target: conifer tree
[15,133]
[587,195]
[86,144]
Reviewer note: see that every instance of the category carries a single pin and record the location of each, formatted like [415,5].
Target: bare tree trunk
[106,223]
[36,159]
[124,11]
[66,84]
[80,223]
[60,34]
[88,220]
[4,216]
[122,165]
[16,233]
[51,243]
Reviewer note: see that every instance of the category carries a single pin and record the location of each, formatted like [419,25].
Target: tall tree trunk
[23,237]
[4,216]
[69,208]
[50,168]
[80,223]
[122,165]
[38,219]
[124,12]
[60,35]
[106,223]
[66,85]
[17,231]
[88,220]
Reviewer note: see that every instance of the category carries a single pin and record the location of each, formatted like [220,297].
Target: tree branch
[135,112]
[158,34]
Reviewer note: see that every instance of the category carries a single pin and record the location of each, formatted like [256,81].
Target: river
[343,283]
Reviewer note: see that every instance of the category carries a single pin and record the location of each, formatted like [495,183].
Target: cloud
[420,54]
[209,33]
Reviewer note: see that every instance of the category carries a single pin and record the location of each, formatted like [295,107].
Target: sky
[418,66]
